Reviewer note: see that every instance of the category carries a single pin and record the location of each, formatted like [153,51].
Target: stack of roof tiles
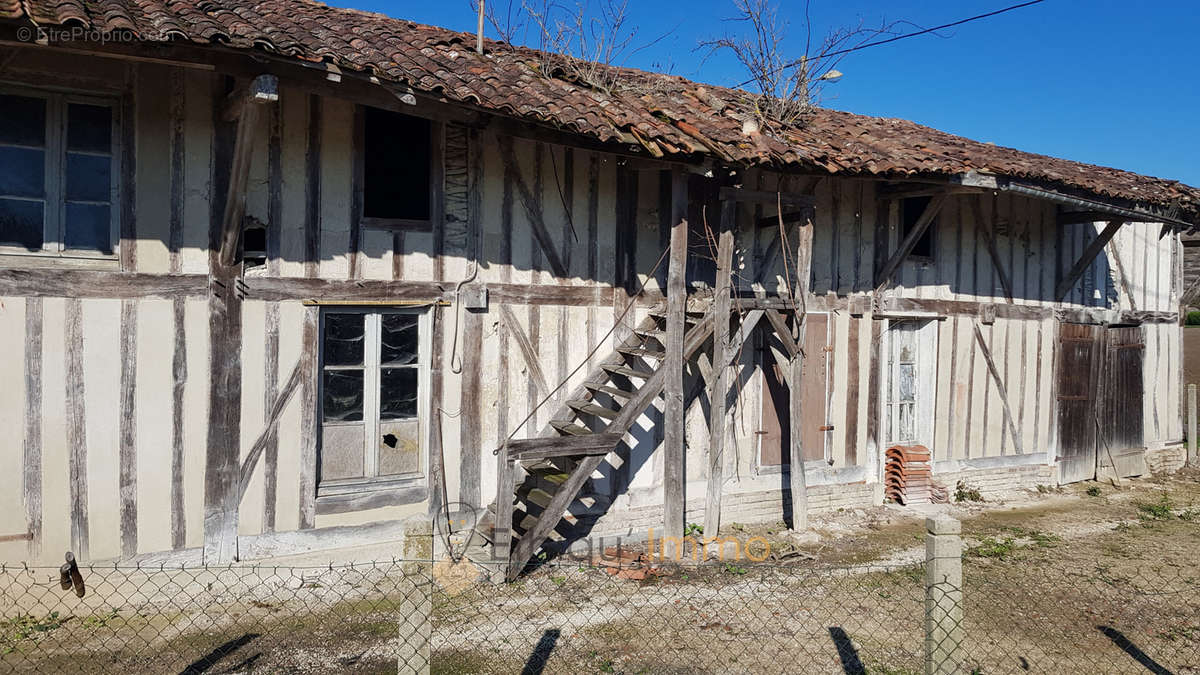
[907,478]
[666,115]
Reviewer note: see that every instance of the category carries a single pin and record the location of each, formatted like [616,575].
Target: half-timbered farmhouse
[278,276]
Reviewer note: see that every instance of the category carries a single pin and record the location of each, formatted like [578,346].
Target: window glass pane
[397,393]
[89,128]
[342,451]
[88,177]
[396,163]
[399,448]
[343,340]
[343,396]
[88,228]
[22,172]
[21,223]
[399,336]
[24,120]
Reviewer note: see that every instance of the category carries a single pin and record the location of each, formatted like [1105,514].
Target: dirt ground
[1089,578]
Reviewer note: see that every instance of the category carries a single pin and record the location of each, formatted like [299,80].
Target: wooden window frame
[402,489]
[925,341]
[54,249]
[437,131]
[902,232]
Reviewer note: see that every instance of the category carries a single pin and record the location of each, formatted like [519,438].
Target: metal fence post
[416,627]
[1192,458]
[943,595]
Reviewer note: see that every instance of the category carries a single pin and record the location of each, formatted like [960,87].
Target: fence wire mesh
[363,617]
[1008,616]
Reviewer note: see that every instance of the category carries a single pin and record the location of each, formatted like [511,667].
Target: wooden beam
[562,446]
[1008,417]
[720,359]
[263,89]
[910,190]
[59,283]
[789,217]
[672,367]
[796,478]
[906,247]
[533,209]
[989,240]
[1121,278]
[532,362]
[789,199]
[269,426]
[1085,260]
[783,332]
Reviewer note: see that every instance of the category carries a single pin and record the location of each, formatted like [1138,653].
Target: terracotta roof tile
[676,114]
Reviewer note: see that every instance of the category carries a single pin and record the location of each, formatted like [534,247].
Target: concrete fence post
[943,595]
[1193,459]
[415,619]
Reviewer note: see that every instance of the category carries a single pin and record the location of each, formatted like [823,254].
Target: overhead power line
[925,31]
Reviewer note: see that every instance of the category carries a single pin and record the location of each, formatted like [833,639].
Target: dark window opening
[254,245]
[396,165]
[910,212]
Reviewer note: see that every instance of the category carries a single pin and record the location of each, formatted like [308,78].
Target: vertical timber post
[943,595]
[222,494]
[798,485]
[720,365]
[673,417]
[1192,458]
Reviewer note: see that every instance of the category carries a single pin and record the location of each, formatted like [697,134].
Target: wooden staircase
[546,475]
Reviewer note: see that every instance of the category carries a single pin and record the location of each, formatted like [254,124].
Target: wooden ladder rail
[569,490]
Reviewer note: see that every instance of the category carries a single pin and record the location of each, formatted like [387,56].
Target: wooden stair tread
[570,428]
[592,408]
[628,372]
[643,351]
[611,391]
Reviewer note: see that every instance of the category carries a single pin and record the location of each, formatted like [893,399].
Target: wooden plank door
[776,417]
[1122,442]
[1080,349]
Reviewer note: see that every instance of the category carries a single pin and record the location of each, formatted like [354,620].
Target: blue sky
[1102,81]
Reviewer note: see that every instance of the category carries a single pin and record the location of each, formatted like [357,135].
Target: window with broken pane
[371,392]
[58,168]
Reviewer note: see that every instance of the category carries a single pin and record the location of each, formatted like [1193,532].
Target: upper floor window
[910,212]
[58,169]
[397,170]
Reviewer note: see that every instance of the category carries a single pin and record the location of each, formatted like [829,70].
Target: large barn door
[1079,350]
[774,435]
[1122,445]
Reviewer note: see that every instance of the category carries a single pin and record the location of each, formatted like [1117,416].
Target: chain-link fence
[1008,614]
[367,618]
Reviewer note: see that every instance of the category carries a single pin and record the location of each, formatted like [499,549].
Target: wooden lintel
[1085,260]
[396,224]
[262,90]
[906,247]
[788,199]
[989,239]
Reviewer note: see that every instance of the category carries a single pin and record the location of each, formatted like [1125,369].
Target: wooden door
[1078,395]
[775,444]
[1122,443]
